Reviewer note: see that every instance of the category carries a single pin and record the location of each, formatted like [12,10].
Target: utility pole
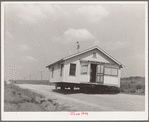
[30,77]
[41,74]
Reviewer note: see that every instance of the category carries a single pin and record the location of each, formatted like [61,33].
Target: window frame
[100,73]
[110,71]
[71,69]
[84,73]
[61,70]
[100,69]
[52,72]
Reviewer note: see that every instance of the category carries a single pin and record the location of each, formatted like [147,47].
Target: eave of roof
[76,54]
[55,63]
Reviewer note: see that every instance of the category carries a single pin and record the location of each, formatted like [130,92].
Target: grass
[17,99]
[40,82]
[133,85]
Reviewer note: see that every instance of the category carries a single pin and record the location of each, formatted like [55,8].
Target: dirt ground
[78,101]
[27,97]
[17,99]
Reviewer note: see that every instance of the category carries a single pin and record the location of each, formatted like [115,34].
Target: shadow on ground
[68,91]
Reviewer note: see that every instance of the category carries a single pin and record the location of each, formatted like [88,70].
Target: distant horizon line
[48,80]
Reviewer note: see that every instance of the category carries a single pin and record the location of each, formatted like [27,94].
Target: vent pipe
[78,47]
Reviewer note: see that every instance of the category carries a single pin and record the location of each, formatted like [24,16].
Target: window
[99,78]
[84,69]
[100,69]
[111,71]
[52,71]
[94,54]
[107,71]
[61,72]
[114,71]
[72,69]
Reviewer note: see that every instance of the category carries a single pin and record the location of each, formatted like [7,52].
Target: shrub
[132,90]
[139,86]
[133,85]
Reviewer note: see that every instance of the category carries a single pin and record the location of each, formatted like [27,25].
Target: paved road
[110,102]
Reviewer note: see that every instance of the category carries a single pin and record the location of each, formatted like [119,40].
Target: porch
[98,71]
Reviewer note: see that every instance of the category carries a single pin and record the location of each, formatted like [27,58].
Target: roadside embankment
[17,99]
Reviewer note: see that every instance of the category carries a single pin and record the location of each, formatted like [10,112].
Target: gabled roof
[84,51]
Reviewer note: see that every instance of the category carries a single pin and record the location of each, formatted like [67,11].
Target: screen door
[99,73]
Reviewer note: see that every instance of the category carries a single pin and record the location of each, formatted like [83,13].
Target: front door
[99,73]
[93,73]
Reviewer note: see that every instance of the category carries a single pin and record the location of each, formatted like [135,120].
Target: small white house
[89,67]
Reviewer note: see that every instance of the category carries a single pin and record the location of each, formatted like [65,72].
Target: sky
[38,34]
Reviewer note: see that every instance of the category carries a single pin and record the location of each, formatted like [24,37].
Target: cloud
[30,12]
[116,45]
[68,39]
[66,43]
[140,56]
[56,39]
[111,45]
[8,35]
[8,38]
[33,12]
[60,10]
[19,67]
[9,55]
[24,47]
[30,58]
[79,34]
[96,43]
[47,9]
[92,13]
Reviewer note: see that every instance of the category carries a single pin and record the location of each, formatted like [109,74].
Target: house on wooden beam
[91,67]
